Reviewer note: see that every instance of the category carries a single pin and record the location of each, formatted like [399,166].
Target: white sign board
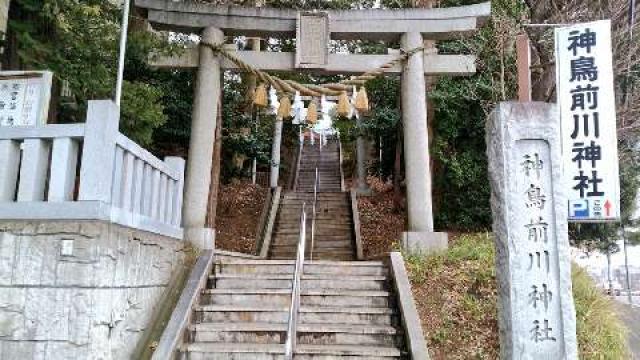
[586,102]
[24,97]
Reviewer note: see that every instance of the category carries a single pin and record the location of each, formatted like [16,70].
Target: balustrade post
[64,159]
[98,154]
[9,166]
[33,170]
[175,210]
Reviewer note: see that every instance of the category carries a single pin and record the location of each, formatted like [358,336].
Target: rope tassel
[362,101]
[343,105]
[284,110]
[312,113]
[260,96]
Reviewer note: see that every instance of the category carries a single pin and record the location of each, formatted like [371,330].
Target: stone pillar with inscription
[536,311]
[203,128]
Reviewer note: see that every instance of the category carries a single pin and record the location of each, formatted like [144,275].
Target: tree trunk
[397,168]
[10,58]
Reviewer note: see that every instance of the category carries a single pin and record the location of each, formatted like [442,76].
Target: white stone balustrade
[89,172]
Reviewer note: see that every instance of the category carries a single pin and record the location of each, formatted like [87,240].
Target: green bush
[601,335]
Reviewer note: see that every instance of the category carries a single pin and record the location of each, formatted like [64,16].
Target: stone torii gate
[313,31]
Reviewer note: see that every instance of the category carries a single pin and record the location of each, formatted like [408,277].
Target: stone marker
[535,310]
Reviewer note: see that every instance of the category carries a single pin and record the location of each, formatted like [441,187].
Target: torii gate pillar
[203,128]
[420,236]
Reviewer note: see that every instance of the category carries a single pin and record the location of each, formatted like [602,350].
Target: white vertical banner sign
[586,101]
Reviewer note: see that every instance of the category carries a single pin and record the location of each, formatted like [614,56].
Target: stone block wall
[80,289]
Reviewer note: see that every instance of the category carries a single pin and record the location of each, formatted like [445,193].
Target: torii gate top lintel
[362,24]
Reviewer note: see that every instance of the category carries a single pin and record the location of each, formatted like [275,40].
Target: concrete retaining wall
[80,289]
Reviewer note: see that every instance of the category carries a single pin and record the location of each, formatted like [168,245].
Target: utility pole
[124,27]
[523,61]
[626,263]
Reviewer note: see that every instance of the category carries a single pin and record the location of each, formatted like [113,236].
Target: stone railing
[88,172]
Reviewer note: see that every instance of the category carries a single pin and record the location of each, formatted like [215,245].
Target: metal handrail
[313,216]
[290,343]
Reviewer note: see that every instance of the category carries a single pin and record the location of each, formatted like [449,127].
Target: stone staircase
[238,306]
[334,237]
[327,160]
[348,311]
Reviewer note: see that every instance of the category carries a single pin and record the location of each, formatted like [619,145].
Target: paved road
[631,317]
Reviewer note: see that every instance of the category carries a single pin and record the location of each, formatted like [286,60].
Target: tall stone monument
[536,311]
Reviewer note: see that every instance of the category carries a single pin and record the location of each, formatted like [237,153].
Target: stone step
[256,333]
[311,297]
[293,241]
[310,268]
[288,212]
[323,183]
[318,253]
[350,352]
[246,297]
[346,298]
[233,351]
[324,222]
[339,334]
[329,194]
[275,333]
[333,257]
[309,281]
[324,227]
[293,211]
[321,196]
[328,179]
[322,178]
[328,185]
[347,316]
[263,313]
[320,202]
[320,242]
[319,234]
[319,231]
[323,187]
[312,157]
[324,155]
[324,166]
[250,281]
